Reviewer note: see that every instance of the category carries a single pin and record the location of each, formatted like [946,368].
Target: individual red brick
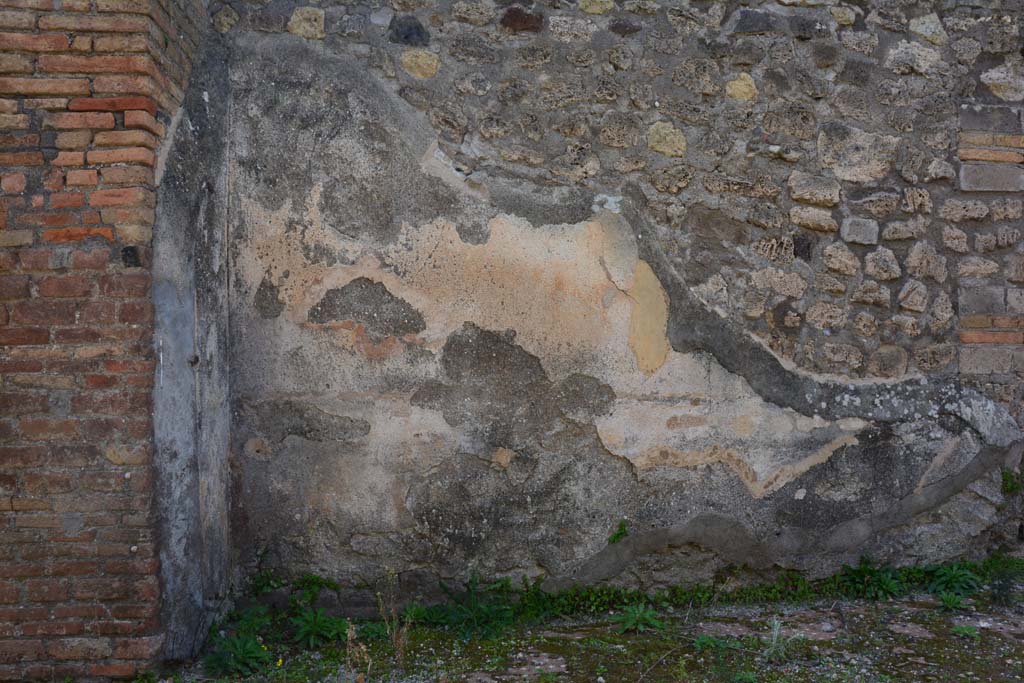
[46,590]
[52,628]
[15,63]
[77,234]
[97,313]
[135,312]
[128,196]
[66,158]
[127,175]
[122,43]
[48,103]
[67,200]
[130,366]
[91,259]
[991,337]
[75,64]
[82,177]
[15,19]
[42,311]
[74,139]
[14,287]
[53,180]
[20,650]
[9,159]
[44,86]
[43,429]
[113,104]
[78,648]
[128,85]
[125,138]
[114,669]
[22,403]
[65,286]
[36,259]
[131,215]
[138,648]
[73,568]
[94,23]
[121,155]
[18,139]
[128,285]
[22,456]
[144,120]
[50,218]
[73,120]
[13,183]
[1007,322]
[23,336]
[34,42]
[995,155]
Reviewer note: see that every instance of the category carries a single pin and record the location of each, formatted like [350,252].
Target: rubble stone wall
[745,275]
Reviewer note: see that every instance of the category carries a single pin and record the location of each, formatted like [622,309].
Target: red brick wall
[85,92]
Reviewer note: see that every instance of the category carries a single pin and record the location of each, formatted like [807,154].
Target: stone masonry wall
[86,90]
[745,274]
[455,287]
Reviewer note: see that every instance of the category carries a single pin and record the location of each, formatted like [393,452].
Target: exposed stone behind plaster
[497,284]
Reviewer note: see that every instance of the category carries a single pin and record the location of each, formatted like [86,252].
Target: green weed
[620,533]
[638,618]
[314,628]
[238,655]
[870,582]
[950,602]
[958,579]
[963,631]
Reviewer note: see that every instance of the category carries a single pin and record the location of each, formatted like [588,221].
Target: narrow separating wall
[745,276]
[191,412]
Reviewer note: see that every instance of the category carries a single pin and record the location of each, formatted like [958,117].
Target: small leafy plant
[714,644]
[870,582]
[620,533]
[950,602]
[1012,483]
[958,579]
[639,618]
[963,631]
[238,655]
[314,628]
[778,647]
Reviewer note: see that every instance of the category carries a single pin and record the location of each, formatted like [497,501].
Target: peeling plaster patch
[649,320]
[436,163]
[364,301]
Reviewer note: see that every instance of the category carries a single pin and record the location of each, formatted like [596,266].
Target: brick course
[83,90]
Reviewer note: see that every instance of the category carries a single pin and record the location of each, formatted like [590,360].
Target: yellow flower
[280,662]
[264,647]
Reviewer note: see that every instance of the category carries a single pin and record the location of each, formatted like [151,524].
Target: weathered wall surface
[744,275]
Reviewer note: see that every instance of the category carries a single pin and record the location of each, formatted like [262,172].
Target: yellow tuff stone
[596,6]
[741,88]
[664,138]
[420,63]
[307,22]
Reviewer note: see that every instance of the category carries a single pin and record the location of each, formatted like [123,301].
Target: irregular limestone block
[664,138]
[307,22]
[813,218]
[859,230]
[811,189]
[854,155]
[420,63]
[742,88]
